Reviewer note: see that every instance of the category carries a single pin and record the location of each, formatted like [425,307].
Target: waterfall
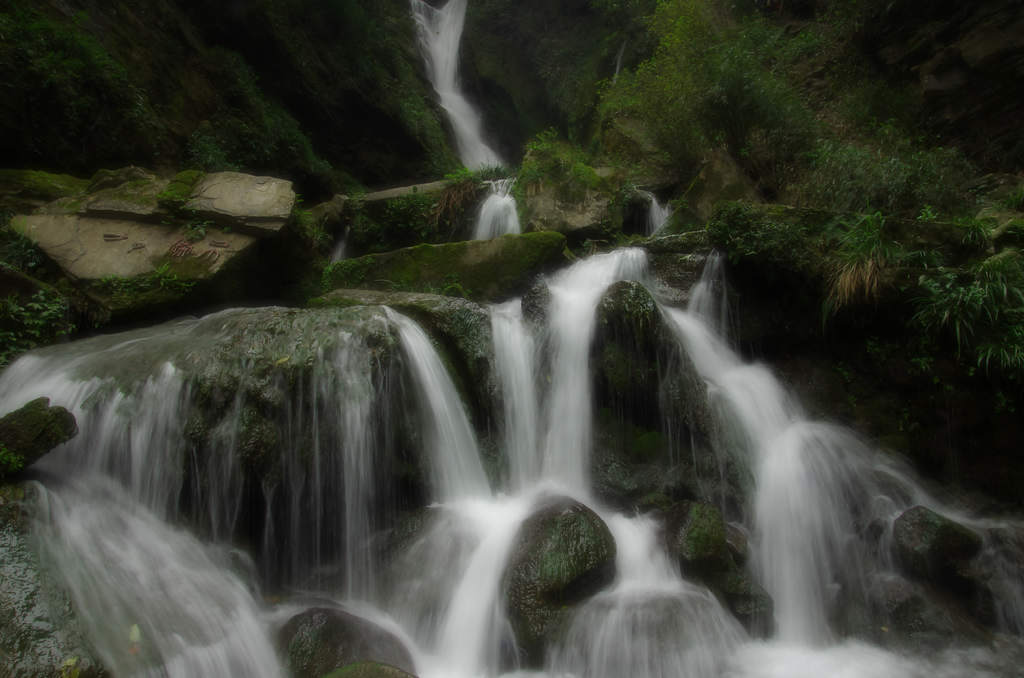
[440,32]
[451,443]
[575,293]
[514,356]
[498,215]
[156,601]
[618,61]
[651,623]
[657,214]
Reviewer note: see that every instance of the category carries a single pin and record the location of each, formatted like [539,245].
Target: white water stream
[657,214]
[440,32]
[160,601]
[498,215]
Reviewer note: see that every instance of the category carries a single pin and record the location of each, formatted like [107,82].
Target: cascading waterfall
[440,32]
[575,293]
[498,215]
[514,357]
[111,493]
[657,214]
[451,444]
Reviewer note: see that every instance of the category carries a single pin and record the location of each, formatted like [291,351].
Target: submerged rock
[33,430]
[321,640]
[563,554]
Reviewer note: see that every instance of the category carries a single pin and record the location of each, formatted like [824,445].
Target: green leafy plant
[29,323]
[10,462]
[1015,200]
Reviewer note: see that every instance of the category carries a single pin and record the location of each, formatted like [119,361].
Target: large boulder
[243,202]
[486,270]
[136,242]
[932,548]
[40,635]
[321,640]
[26,434]
[461,328]
[563,554]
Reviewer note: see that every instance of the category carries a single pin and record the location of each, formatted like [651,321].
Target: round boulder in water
[933,548]
[563,554]
[321,640]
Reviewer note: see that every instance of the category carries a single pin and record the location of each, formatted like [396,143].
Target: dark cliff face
[323,92]
[966,61]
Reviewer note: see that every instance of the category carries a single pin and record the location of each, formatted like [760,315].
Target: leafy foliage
[29,323]
[10,462]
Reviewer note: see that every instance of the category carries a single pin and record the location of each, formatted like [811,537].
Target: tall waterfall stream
[139,552]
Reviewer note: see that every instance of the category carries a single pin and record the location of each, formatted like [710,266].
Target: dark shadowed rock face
[368,670]
[933,548]
[321,640]
[563,554]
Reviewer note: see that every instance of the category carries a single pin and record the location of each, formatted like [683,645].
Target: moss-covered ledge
[482,270]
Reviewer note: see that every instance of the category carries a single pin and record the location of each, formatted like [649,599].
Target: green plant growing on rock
[29,323]
[864,252]
[1015,200]
[10,462]
[982,308]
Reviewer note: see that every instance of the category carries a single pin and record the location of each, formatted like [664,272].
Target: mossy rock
[563,554]
[24,190]
[697,538]
[179,190]
[484,270]
[368,670]
[322,640]
[30,432]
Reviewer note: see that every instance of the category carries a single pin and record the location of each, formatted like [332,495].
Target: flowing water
[163,600]
[657,214]
[440,32]
[498,215]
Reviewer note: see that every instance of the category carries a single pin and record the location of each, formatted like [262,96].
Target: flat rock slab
[417,189]
[255,204]
[89,248]
[133,200]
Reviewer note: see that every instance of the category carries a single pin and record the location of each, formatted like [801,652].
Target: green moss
[368,670]
[477,269]
[704,535]
[179,191]
[169,283]
[39,186]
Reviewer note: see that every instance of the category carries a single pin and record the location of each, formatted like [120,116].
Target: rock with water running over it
[698,538]
[39,632]
[932,548]
[368,670]
[563,554]
[461,328]
[34,430]
[321,640]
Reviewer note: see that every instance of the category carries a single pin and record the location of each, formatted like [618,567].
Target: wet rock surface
[563,554]
[321,640]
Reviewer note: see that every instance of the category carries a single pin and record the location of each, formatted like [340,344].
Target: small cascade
[618,61]
[440,32]
[340,250]
[498,215]
[657,214]
[575,293]
[709,298]
[156,601]
[514,350]
[451,443]
[651,623]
